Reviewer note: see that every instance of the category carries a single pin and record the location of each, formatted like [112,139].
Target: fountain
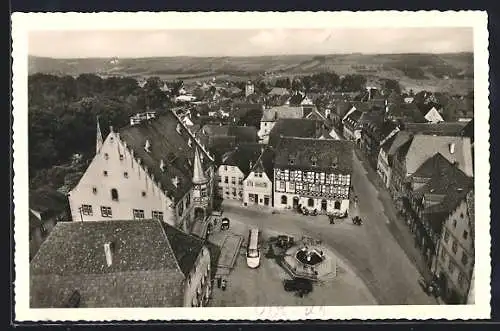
[310,260]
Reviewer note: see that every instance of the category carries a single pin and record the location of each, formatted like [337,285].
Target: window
[106,156]
[226,179]
[114,194]
[446,236]
[105,173]
[125,174]
[454,223]
[138,214]
[277,174]
[106,212]
[283,199]
[233,180]
[298,186]
[203,192]
[94,190]
[188,200]
[465,258]
[87,210]
[143,193]
[465,235]
[291,186]
[286,174]
[282,185]
[240,181]
[234,192]
[310,202]
[121,157]
[314,160]
[336,205]
[220,179]
[461,215]
[225,168]
[451,267]
[454,247]
[157,215]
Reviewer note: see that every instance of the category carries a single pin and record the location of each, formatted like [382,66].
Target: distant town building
[155,169]
[433,116]
[387,152]
[120,264]
[271,116]
[313,173]
[249,89]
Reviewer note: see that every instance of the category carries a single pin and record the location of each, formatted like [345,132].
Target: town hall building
[152,169]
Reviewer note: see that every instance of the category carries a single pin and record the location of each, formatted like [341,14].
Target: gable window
[461,279]
[106,156]
[225,168]
[125,174]
[138,214]
[114,194]
[105,173]
[465,258]
[233,180]
[121,157]
[87,210]
[106,211]
[157,215]
[451,267]
[465,235]
[94,190]
[454,247]
[226,179]
[314,160]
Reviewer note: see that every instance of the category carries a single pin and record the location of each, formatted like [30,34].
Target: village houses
[258,184]
[123,263]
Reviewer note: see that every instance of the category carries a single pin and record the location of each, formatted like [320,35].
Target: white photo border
[23,23]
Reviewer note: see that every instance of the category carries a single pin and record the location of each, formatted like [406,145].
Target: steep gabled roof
[328,155]
[468,130]
[392,145]
[242,155]
[422,147]
[265,162]
[293,127]
[275,113]
[168,145]
[73,258]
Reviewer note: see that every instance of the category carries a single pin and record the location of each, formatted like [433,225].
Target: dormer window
[114,194]
[147,146]
[125,174]
[94,190]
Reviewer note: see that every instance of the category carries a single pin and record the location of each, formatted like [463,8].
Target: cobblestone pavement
[371,250]
[264,287]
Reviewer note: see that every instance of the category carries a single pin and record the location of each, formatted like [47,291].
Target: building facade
[455,262]
[258,184]
[313,173]
[230,182]
[155,169]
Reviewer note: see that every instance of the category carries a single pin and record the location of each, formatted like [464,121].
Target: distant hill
[453,71]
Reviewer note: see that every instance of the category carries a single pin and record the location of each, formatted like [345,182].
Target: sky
[247,42]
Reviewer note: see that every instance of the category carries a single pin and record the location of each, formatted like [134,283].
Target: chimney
[108,250]
[110,128]
[452,148]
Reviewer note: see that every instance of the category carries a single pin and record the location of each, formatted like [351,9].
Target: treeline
[324,81]
[62,112]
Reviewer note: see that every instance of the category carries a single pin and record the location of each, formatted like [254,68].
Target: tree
[391,85]
[353,83]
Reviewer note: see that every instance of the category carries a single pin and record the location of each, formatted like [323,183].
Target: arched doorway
[283,200]
[336,205]
[199,213]
[323,205]
[295,202]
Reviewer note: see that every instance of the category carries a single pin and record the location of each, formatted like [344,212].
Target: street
[371,250]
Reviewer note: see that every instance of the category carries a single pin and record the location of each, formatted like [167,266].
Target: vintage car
[301,285]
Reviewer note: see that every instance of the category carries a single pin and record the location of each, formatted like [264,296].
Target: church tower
[202,197]
[99,140]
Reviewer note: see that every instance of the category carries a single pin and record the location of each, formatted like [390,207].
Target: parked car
[284,241]
[301,285]
[224,224]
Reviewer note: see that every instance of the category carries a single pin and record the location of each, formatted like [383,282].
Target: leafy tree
[353,83]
